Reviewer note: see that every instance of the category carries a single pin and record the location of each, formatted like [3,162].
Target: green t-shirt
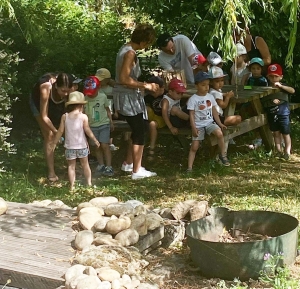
[95,109]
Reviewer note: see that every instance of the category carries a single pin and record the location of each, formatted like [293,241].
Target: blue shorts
[33,108]
[279,123]
[101,133]
[72,154]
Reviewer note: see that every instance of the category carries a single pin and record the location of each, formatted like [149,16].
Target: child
[75,124]
[214,59]
[277,108]
[239,67]
[200,63]
[172,113]
[256,67]
[156,121]
[98,111]
[75,82]
[216,83]
[202,107]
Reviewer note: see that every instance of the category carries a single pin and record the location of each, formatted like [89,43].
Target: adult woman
[47,103]
[128,96]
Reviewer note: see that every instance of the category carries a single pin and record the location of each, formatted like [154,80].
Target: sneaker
[224,161]
[112,147]
[189,171]
[109,171]
[142,173]
[100,169]
[126,167]
[286,156]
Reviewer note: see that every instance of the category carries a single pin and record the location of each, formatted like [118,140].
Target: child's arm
[217,118]
[223,103]
[164,112]
[59,133]
[88,131]
[110,118]
[195,132]
[288,89]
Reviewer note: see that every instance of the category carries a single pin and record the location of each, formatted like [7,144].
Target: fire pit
[276,234]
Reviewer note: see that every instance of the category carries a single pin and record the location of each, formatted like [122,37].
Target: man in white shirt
[177,53]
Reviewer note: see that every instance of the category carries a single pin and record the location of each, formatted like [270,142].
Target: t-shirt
[95,108]
[257,81]
[184,48]
[172,102]
[238,75]
[202,105]
[154,103]
[217,94]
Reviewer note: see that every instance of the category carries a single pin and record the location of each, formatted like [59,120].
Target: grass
[254,181]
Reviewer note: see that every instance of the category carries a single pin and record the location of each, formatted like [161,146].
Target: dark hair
[73,106]
[64,80]
[143,33]
[163,40]
[156,79]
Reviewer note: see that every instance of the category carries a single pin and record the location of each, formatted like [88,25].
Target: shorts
[154,117]
[178,122]
[279,123]
[33,108]
[207,129]
[72,154]
[102,134]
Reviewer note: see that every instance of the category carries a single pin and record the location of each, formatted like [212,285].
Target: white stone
[115,284]
[90,282]
[103,201]
[139,223]
[126,278]
[3,206]
[127,237]
[105,285]
[89,216]
[83,239]
[153,221]
[115,226]
[134,203]
[56,203]
[107,274]
[89,270]
[74,281]
[99,226]
[83,205]
[74,271]
[118,209]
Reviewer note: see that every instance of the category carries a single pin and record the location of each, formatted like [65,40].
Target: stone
[134,203]
[115,284]
[100,225]
[166,213]
[83,239]
[119,209]
[180,210]
[174,234]
[199,210]
[3,206]
[74,281]
[139,223]
[74,271]
[83,205]
[89,216]
[127,237]
[153,221]
[103,201]
[105,240]
[105,285]
[89,270]
[115,226]
[90,282]
[107,274]
[56,203]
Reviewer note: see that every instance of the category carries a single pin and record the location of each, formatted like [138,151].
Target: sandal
[53,179]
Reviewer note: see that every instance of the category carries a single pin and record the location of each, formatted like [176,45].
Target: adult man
[177,53]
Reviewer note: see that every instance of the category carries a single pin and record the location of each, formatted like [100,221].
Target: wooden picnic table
[252,96]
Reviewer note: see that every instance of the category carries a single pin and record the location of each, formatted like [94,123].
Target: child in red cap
[172,113]
[277,108]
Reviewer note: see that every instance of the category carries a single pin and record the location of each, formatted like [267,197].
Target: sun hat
[76,97]
[199,59]
[216,72]
[275,69]
[257,60]
[201,76]
[102,73]
[214,58]
[241,49]
[91,84]
[76,79]
[177,85]
[156,79]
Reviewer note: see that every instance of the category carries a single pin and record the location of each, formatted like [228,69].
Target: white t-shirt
[184,48]
[172,102]
[217,94]
[202,105]
[240,72]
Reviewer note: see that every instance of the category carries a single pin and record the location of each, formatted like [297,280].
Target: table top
[242,94]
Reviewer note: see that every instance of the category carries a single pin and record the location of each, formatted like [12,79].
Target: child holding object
[75,125]
[203,112]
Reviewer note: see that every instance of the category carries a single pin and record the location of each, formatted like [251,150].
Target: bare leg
[137,153]
[153,133]
[107,153]
[277,140]
[99,155]
[86,170]
[288,143]
[192,154]
[218,133]
[179,113]
[71,173]
[232,120]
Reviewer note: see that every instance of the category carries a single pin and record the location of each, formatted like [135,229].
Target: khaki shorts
[205,130]
[153,117]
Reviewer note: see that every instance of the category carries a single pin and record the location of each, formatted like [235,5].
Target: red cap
[199,59]
[177,85]
[275,69]
[91,85]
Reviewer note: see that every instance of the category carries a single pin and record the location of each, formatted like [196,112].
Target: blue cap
[200,76]
[258,61]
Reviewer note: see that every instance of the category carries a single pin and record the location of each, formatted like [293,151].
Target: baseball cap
[201,76]
[91,84]
[275,69]
[214,58]
[257,60]
[199,59]
[241,49]
[76,97]
[76,79]
[156,79]
[102,73]
[163,40]
[177,85]
[216,72]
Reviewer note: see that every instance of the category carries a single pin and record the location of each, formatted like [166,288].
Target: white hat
[214,58]
[241,49]
[216,72]
[102,73]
